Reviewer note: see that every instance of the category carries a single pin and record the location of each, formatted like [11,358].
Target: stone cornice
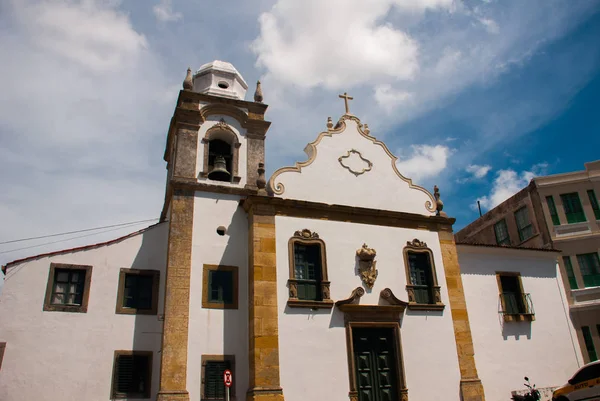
[252,107]
[323,211]
[193,185]
[179,183]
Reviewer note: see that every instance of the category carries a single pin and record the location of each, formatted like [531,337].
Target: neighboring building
[338,279]
[509,346]
[557,211]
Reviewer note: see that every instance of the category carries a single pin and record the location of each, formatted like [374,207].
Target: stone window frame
[417,246]
[223,132]
[49,307]
[113,390]
[217,358]
[219,305]
[308,237]
[122,310]
[2,349]
[517,317]
[387,315]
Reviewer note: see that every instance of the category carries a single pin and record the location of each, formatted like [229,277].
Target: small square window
[220,287]
[213,367]
[132,374]
[138,292]
[68,288]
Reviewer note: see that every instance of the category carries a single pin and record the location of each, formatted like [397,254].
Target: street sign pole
[228,381]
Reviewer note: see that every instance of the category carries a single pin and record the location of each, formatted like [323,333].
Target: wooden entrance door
[375,364]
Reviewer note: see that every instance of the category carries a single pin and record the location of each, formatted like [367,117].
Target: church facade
[337,278]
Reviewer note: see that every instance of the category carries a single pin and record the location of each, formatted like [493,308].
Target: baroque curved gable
[372,159]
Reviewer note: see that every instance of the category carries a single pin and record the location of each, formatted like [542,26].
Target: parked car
[584,385]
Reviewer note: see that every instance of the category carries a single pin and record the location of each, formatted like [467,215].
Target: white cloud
[89,150]
[338,44]
[507,183]
[490,25]
[398,58]
[96,37]
[425,161]
[163,11]
[390,99]
[477,170]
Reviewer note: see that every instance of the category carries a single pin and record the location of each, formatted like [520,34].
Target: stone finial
[261,183]
[366,129]
[188,84]
[439,205]
[258,96]
[329,123]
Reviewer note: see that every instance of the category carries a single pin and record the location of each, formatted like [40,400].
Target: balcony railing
[516,306]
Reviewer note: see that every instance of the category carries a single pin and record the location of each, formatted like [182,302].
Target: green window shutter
[501,231]
[214,388]
[524,225]
[589,265]
[573,208]
[421,277]
[131,376]
[594,203]
[589,343]
[570,274]
[552,210]
[308,271]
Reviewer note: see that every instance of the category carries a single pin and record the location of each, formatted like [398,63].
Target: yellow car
[583,386]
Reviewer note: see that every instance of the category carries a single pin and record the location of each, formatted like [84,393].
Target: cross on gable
[346,98]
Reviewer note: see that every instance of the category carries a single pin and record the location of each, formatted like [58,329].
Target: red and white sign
[227,378]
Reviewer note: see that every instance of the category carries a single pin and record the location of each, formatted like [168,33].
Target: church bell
[219,171]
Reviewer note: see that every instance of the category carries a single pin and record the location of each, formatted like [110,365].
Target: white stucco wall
[61,356]
[216,331]
[312,344]
[379,188]
[241,135]
[505,352]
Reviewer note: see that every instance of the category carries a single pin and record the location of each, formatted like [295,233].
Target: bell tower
[215,158]
[216,138]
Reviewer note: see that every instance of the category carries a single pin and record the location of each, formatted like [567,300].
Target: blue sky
[476,96]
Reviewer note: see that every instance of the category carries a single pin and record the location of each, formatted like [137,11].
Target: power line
[72,238]
[75,232]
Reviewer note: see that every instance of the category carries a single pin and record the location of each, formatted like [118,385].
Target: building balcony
[585,299]
[516,307]
[567,230]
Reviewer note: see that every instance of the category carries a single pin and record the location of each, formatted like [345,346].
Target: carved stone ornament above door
[366,265]
[354,162]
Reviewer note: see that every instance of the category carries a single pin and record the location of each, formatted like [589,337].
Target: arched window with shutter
[421,278]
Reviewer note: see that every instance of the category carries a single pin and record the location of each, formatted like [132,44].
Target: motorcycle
[533,395]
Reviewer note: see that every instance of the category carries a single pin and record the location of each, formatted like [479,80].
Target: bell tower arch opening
[221,154]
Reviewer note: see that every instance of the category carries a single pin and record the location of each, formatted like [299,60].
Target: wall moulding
[323,211]
[345,160]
